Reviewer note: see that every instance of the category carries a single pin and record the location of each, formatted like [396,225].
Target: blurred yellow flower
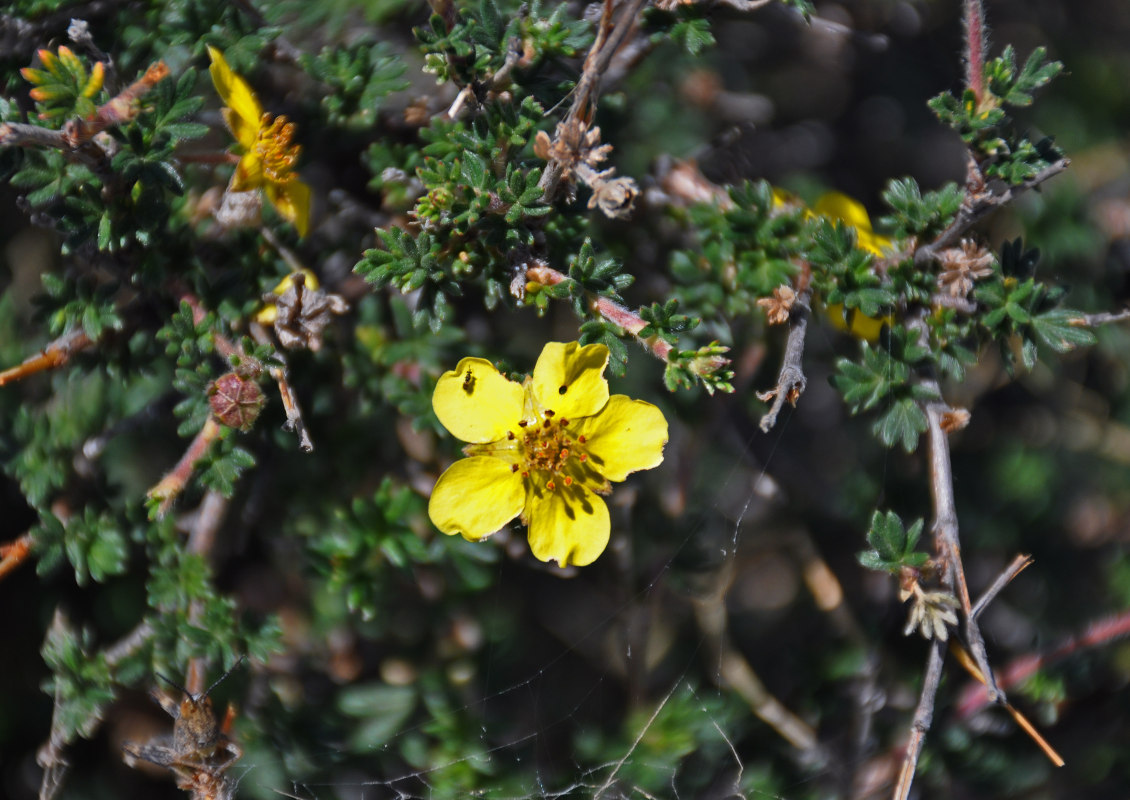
[268,156]
[837,206]
[543,450]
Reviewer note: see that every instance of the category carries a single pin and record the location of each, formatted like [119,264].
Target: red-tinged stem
[975,36]
[1021,669]
[170,486]
[609,309]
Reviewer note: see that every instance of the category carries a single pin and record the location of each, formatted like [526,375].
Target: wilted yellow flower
[269,155]
[542,450]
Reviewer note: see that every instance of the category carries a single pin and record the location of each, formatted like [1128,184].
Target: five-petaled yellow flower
[544,449]
[268,156]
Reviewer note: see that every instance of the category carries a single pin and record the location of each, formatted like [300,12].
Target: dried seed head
[963,265]
[303,314]
[236,400]
[778,306]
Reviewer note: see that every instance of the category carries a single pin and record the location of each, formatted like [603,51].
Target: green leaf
[1059,330]
[901,423]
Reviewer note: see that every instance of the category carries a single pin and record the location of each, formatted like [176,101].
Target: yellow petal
[475,497]
[248,174]
[627,436]
[292,199]
[839,206]
[246,133]
[569,379]
[234,91]
[569,526]
[476,403]
[856,322]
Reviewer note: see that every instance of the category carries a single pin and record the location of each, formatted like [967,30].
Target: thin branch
[923,718]
[1018,565]
[966,661]
[608,39]
[976,207]
[948,548]
[13,554]
[790,379]
[55,354]
[172,484]
[129,644]
[1097,634]
[608,309]
[945,300]
[946,532]
[1104,318]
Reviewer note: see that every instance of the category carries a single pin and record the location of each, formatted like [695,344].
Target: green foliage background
[387,660]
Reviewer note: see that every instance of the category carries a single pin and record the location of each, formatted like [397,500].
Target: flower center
[548,447]
[274,148]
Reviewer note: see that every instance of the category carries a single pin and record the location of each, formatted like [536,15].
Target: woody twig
[790,378]
[612,311]
[55,354]
[570,136]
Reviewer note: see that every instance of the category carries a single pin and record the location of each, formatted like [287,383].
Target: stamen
[583,456]
[522,424]
[513,467]
[568,481]
[582,439]
[550,485]
[549,412]
[510,435]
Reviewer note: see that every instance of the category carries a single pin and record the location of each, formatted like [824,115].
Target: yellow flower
[544,449]
[268,156]
[835,205]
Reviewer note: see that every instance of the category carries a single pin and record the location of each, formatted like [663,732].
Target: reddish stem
[975,36]
[609,309]
[173,483]
[1021,669]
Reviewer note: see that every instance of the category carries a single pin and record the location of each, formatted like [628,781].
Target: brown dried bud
[303,313]
[236,400]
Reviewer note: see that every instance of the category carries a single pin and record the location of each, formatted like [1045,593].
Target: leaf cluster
[985,125]
[892,544]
